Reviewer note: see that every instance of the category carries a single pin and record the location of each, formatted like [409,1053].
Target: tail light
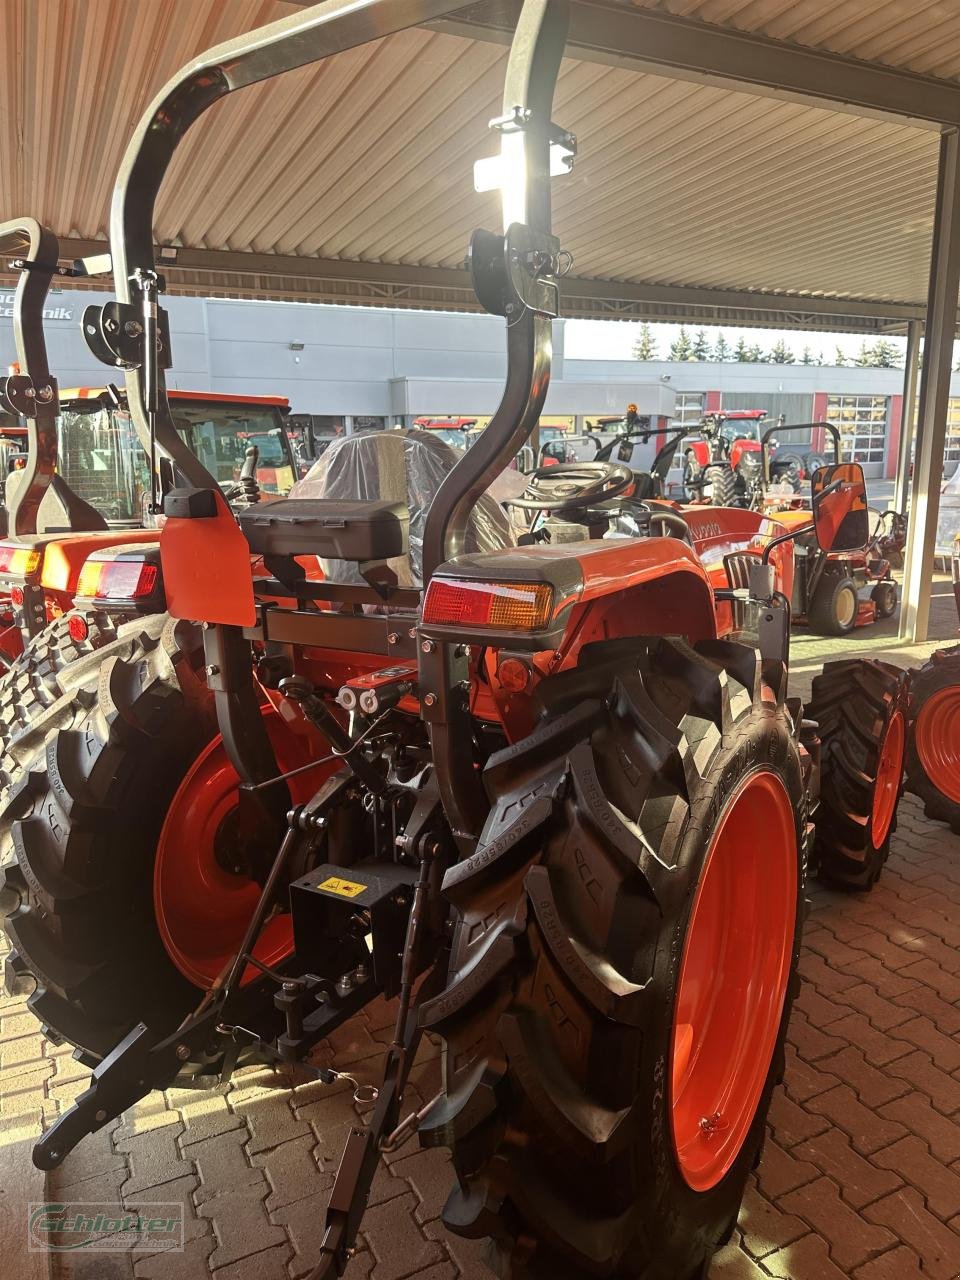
[116,580]
[19,560]
[494,606]
[77,626]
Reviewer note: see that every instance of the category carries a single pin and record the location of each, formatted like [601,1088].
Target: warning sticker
[342,888]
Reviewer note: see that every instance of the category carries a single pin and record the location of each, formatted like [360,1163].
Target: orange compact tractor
[517,790]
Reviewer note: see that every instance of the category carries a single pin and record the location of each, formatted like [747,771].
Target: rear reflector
[16,595]
[116,580]
[77,626]
[497,606]
[19,560]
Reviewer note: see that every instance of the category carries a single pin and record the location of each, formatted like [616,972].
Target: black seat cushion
[338,530]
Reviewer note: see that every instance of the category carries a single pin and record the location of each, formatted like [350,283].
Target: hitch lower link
[302,1011]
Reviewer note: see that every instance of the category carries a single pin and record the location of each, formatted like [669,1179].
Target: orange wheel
[933,747]
[733,979]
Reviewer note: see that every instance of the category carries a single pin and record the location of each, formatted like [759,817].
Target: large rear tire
[860,708]
[34,681]
[933,747]
[590,1028]
[84,821]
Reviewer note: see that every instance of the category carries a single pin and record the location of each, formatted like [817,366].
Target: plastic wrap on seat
[397,466]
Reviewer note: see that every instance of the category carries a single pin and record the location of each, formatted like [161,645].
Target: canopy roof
[695,194]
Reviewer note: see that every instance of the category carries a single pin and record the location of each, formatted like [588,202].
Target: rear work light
[493,606]
[22,561]
[116,580]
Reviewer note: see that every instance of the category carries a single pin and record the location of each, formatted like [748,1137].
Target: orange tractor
[515,789]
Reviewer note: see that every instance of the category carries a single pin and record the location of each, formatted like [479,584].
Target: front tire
[833,609]
[583,1072]
[723,484]
[860,708]
[933,748]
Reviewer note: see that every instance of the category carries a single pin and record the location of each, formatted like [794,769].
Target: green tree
[741,352]
[807,356]
[681,348]
[885,355]
[756,354]
[780,353]
[700,348]
[840,359]
[721,349]
[864,357]
[645,347]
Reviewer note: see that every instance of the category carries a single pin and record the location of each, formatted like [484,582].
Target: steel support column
[908,415]
[934,392]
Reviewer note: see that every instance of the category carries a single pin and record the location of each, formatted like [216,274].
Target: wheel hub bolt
[710,1125]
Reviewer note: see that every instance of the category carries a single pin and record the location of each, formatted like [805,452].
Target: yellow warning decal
[342,888]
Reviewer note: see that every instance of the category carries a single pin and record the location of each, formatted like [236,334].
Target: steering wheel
[571,486]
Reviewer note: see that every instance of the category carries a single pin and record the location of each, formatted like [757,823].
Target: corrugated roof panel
[922,37]
[369,156]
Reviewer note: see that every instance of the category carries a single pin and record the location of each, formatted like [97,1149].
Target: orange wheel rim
[733,979]
[937,740]
[201,908]
[889,773]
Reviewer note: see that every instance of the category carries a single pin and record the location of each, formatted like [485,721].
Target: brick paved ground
[861,1173]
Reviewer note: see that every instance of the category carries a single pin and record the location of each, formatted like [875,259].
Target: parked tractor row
[286,755]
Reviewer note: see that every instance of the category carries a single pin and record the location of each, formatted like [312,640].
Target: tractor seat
[381,480]
[328,527]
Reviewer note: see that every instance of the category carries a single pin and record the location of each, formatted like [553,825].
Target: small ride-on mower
[833,592]
[933,746]
[518,792]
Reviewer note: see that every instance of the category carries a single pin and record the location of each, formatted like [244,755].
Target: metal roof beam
[626,297]
[660,43]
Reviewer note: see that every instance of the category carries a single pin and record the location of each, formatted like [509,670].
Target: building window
[689,409]
[863,426]
[951,451]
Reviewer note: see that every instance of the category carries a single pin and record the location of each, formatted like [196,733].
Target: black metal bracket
[517,271]
[21,395]
[114,334]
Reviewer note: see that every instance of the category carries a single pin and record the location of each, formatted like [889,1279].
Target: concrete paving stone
[923,914]
[204,1114]
[915,1113]
[303,1223]
[852,1240]
[817,1008]
[396,1241]
[16,1020]
[839,955]
[152,1112]
[23,1054]
[942,1044]
[894,956]
[920,1070]
[781,1171]
[936,1182]
[240,1223]
[271,1120]
[154,1158]
[191,1264]
[859,1180]
[905,1214]
[95,1266]
[803,1080]
[734,1263]
[810,1042]
[268,1264]
[430,1174]
[897,1264]
[828,981]
[933,948]
[804,1259]
[222,1162]
[353,1043]
[933,975]
[96,1154]
[792,1124]
[24,1078]
[871,1086]
[868,1130]
[766,1227]
[923,1002]
[878,1047]
[883,1014]
[291,1170]
[180,1192]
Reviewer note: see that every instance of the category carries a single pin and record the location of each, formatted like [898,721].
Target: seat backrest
[397,466]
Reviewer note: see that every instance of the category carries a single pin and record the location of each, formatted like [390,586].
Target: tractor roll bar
[514,276]
[325,29]
[796,426]
[32,392]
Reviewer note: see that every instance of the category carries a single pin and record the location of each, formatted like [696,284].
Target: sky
[614,339]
